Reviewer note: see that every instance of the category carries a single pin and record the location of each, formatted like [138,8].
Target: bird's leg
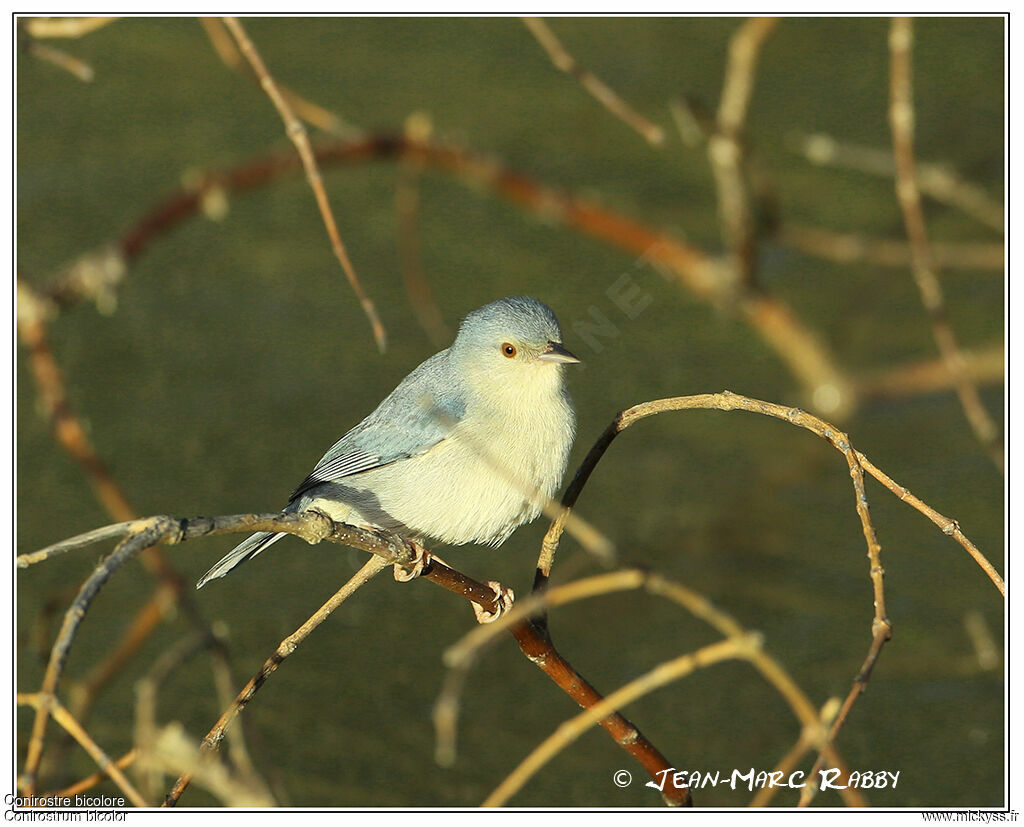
[423,561]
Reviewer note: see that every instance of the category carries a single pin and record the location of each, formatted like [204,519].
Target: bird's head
[515,342]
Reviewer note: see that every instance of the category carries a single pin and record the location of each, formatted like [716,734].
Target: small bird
[466,449]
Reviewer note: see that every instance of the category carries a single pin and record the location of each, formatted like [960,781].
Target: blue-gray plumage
[466,449]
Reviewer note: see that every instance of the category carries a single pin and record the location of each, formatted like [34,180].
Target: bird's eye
[509,350]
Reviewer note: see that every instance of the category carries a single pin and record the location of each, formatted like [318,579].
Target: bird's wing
[414,418]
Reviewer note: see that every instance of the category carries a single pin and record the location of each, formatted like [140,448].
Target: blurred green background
[237,354]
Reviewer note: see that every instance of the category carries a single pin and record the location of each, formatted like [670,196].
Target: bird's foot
[504,599]
[404,572]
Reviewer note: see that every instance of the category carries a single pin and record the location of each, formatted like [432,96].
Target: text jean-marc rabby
[752,779]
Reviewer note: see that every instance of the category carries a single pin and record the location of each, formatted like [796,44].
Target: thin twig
[297,133]
[46,701]
[790,760]
[213,738]
[949,527]
[901,120]
[565,62]
[150,739]
[860,685]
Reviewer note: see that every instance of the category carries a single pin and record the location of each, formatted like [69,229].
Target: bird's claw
[504,598]
[404,572]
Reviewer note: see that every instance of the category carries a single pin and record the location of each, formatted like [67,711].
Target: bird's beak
[556,352]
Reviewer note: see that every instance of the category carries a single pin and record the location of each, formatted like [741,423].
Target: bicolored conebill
[466,449]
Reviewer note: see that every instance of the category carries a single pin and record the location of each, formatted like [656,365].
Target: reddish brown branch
[535,641]
[806,356]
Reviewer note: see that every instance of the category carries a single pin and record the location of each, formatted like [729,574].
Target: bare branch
[312,113]
[297,133]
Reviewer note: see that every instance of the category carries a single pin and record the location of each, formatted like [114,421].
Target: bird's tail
[239,554]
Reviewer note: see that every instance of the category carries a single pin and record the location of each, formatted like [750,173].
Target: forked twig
[572,729]
[531,614]
[461,655]
[881,627]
